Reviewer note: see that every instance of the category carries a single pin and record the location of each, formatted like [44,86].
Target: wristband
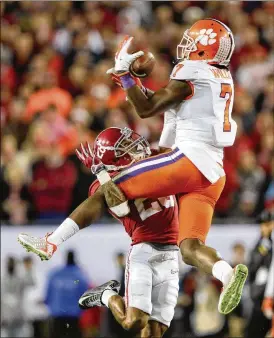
[103,177]
[127,81]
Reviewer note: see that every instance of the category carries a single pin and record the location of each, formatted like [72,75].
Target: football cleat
[40,246]
[92,297]
[232,292]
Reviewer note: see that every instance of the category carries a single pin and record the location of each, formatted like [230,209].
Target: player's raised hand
[123,59]
[85,155]
[115,198]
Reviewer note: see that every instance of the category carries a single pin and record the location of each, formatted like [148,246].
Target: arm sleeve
[168,135]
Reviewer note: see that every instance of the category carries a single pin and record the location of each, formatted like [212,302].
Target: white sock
[222,271]
[106,296]
[67,229]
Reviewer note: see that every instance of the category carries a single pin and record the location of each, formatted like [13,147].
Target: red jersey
[154,221]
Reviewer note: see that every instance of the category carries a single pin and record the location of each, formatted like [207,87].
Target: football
[143,66]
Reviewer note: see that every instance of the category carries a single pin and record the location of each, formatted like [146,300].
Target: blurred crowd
[55,94]
[28,311]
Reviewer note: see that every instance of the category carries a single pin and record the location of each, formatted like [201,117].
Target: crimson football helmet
[209,40]
[117,148]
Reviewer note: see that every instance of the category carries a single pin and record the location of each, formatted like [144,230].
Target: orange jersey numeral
[226,89]
[178,67]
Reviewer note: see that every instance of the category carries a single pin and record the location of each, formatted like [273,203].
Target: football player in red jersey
[152,280]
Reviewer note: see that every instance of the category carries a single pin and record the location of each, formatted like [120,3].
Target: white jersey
[201,126]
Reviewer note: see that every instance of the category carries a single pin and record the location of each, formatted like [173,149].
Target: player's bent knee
[188,249]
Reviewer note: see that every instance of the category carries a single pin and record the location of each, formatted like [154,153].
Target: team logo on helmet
[102,149]
[207,37]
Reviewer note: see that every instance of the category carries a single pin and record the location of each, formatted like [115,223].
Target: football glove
[123,59]
[120,207]
[85,155]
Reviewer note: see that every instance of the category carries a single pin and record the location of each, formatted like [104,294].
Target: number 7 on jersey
[226,90]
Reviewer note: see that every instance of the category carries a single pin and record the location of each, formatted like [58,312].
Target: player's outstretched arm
[145,105]
[85,214]
[163,99]
[89,210]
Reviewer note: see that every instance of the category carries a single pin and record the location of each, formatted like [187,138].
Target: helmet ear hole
[202,53]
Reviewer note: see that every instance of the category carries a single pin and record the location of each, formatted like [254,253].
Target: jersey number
[147,208]
[226,89]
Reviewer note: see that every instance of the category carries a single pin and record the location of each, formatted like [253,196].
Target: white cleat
[40,246]
[231,294]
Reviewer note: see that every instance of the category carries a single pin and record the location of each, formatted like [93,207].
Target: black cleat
[92,297]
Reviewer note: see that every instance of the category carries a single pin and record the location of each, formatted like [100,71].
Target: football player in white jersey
[198,125]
